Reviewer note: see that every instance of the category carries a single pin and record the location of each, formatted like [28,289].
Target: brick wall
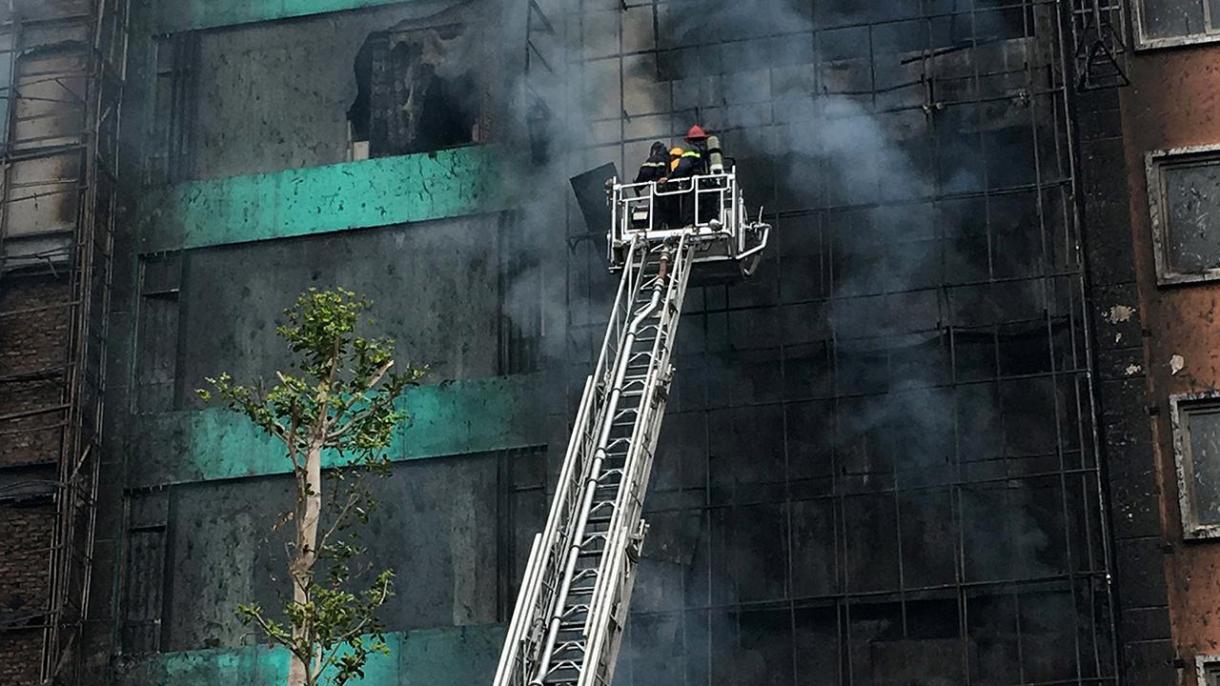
[33,344]
[33,350]
[25,540]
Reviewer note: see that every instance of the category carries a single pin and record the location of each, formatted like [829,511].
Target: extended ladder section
[572,605]
[573,600]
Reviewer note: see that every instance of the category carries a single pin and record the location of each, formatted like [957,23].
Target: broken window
[1164,23]
[1196,435]
[315,90]
[1184,189]
[417,92]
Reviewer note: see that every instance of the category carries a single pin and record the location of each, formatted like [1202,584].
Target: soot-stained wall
[266,97]
[435,288]
[878,464]
[453,550]
[458,511]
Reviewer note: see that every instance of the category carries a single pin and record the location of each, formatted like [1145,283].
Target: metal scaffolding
[66,70]
[1099,31]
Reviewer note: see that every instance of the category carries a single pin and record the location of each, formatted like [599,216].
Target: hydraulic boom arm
[572,605]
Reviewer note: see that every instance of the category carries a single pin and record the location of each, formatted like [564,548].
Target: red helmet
[696,133]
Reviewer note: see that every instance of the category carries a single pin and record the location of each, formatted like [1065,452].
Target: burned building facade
[1147,150]
[941,437]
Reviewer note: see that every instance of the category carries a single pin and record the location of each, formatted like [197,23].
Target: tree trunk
[309,509]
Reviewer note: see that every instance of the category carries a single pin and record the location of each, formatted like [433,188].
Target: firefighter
[675,156]
[693,162]
[669,207]
[655,170]
[694,159]
[656,167]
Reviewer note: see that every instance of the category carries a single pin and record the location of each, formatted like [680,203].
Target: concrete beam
[455,418]
[189,15]
[448,655]
[336,197]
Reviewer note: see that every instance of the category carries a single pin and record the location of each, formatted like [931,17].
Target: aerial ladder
[572,605]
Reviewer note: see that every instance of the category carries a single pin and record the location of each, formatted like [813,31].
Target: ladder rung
[586,574]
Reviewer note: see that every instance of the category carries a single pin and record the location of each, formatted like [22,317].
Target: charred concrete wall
[264,97]
[1156,342]
[1121,326]
[246,188]
[235,292]
[454,550]
[878,465]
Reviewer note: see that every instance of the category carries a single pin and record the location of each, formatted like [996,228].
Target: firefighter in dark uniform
[656,169]
[692,163]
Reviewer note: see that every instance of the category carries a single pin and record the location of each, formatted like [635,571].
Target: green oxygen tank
[714,155]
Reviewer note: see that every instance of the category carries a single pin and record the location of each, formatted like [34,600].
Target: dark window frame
[1155,164]
[1143,42]
[1181,406]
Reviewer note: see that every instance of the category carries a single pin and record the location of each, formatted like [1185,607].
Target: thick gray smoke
[812,144]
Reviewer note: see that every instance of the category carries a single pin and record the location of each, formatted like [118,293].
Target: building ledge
[189,15]
[448,655]
[384,191]
[452,418]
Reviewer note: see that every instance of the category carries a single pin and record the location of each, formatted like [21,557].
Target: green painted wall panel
[300,202]
[453,655]
[186,15]
[430,657]
[452,418]
[251,666]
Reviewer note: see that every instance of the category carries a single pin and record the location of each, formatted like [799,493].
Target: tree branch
[293,448]
[352,500]
[367,619]
[372,383]
[269,630]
